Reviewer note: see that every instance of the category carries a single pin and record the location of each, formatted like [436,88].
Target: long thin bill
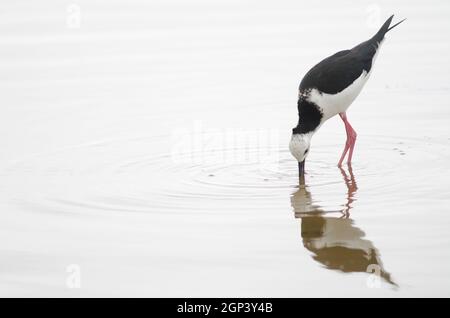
[301,172]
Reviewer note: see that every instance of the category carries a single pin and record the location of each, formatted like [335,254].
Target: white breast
[333,104]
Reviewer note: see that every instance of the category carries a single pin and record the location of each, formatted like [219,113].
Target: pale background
[100,99]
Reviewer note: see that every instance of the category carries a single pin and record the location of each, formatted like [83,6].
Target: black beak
[301,172]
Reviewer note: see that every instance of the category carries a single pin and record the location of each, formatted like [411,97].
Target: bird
[328,89]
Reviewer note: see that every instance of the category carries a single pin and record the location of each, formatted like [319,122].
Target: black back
[333,75]
[338,71]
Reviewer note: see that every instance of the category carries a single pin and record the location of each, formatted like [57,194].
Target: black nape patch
[309,115]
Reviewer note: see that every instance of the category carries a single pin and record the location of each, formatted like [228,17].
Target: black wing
[338,71]
[335,73]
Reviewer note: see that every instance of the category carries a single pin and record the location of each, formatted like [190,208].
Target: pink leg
[351,140]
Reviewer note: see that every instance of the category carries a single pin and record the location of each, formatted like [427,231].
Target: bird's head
[299,146]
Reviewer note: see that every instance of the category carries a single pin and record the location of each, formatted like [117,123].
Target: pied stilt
[328,89]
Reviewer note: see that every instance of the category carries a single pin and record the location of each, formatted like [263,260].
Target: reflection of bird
[335,241]
[328,89]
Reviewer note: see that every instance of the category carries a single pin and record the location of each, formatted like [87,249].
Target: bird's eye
[306,151]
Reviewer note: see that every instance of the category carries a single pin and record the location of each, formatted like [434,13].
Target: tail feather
[390,28]
[385,28]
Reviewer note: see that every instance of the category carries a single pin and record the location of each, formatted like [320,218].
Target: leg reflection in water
[335,241]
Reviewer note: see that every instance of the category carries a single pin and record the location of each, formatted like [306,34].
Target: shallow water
[147,146]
